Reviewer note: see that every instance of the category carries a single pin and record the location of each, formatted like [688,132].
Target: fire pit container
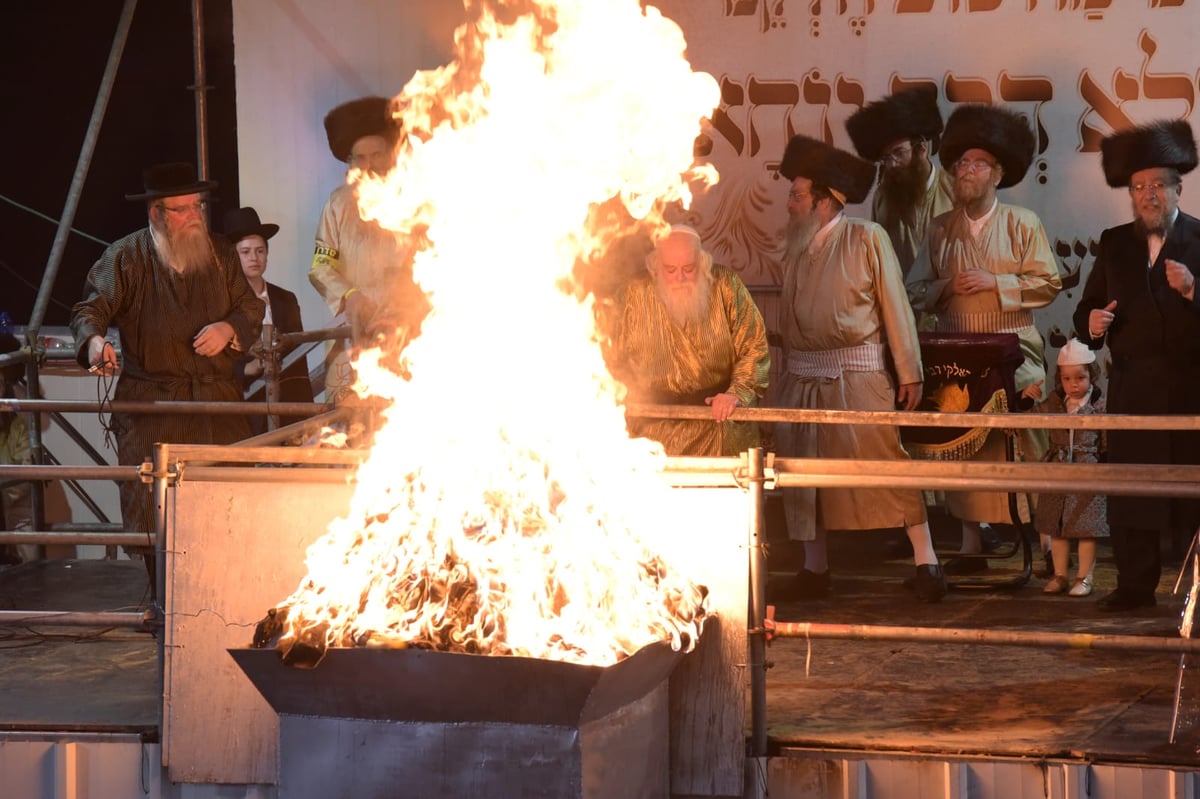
[413,723]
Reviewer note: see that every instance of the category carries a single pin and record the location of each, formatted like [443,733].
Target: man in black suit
[1140,299]
[249,237]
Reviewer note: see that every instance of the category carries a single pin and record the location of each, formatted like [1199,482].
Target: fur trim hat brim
[349,122]
[1002,133]
[170,180]
[828,166]
[1166,144]
[904,115]
[242,222]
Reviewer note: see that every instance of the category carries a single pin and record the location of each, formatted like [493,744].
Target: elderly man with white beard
[843,313]
[689,333]
[185,313]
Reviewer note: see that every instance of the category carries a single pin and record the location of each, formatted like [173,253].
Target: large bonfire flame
[503,508]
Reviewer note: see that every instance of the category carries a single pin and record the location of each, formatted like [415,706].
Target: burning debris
[503,508]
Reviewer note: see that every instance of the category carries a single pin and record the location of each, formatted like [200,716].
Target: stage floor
[949,700]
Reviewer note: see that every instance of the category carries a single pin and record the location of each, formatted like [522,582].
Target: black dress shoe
[929,584]
[812,585]
[968,565]
[1120,601]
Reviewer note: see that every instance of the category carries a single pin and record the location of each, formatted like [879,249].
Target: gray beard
[800,235]
[186,250]
[686,305]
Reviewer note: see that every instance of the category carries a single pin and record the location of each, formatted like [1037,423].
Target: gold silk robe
[907,231]
[661,362]
[1014,247]
[846,294]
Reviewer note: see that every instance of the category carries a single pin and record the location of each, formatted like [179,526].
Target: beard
[186,249]
[687,302]
[1152,220]
[800,235]
[903,188]
[968,190]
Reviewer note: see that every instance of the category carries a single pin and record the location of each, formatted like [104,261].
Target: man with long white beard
[843,312]
[689,333]
[900,132]
[184,313]
[1141,300]
[985,266]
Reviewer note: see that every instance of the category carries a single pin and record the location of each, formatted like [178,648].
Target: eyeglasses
[194,208]
[1157,187]
[977,165]
[896,155]
[797,196]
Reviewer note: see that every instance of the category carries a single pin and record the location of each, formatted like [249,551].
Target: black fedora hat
[170,180]
[242,222]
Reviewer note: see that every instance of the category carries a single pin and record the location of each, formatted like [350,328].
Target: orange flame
[503,508]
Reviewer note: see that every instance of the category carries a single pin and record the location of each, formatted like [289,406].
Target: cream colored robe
[849,292]
[1014,247]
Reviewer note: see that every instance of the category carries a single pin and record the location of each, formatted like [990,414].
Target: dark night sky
[52,64]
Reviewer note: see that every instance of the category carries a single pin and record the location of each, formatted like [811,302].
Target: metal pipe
[944,635]
[18,471]
[82,165]
[201,89]
[1055,421]
[275,455]
[288,340]
[55,537]
[183,407]
[87,527]
[271,373]
[758,604]
[56,618]
[234,474]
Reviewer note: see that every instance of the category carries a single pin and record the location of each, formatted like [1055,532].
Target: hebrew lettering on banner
[803,66]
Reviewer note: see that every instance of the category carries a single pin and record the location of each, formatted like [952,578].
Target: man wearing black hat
[363,271]
[1140,300]
[184,313]
[249,236]
[843,313]
[984,267]
[900,132]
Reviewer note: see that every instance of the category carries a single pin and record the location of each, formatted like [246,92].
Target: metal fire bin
[399,723]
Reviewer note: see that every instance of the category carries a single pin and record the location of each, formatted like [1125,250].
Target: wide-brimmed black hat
[242,222]
[349,122]
[1002,133]
[904,115]
[828,166]
[1168,143]
[170,180]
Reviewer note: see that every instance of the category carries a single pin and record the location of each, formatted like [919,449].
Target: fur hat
[826,165]
[349,122]
[1075,353]
[1168,143]
[1002,133]
[903,115]
[170,180]
[243,222]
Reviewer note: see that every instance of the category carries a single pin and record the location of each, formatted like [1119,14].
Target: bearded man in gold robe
[984,268]
[689,333]
[843,313]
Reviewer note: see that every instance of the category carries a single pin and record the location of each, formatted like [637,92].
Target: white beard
[686,304]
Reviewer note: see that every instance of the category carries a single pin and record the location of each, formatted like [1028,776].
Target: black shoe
[811,585]
[967,565]
[929,584]
[989,540]
[1120,601]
